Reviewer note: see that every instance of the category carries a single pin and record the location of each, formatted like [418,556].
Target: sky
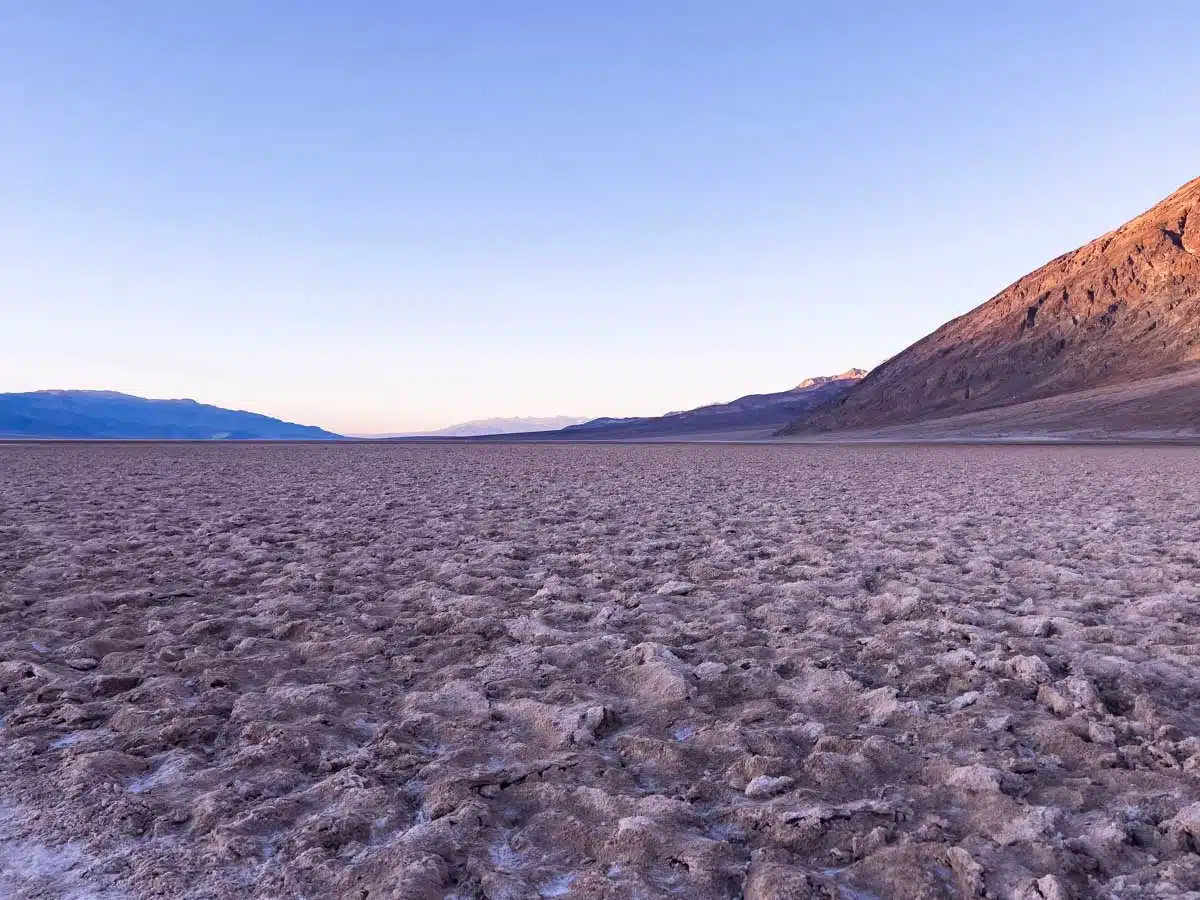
[389,216]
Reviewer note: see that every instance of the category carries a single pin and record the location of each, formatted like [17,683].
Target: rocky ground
[599,672]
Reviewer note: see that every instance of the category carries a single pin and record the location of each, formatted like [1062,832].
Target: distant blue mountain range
[114,416]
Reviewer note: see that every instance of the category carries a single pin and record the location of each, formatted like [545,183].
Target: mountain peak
[1121,308]
[848,375]
[84,392]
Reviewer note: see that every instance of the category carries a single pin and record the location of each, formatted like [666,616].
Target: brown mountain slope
[1163,408]
[1122,308]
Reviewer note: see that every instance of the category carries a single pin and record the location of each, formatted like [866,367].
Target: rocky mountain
[113,416]
[479,427]
[1163,408]
[818,380]
[1123,308]
[755,415]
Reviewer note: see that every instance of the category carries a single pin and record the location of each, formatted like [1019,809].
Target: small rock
[376,623]
[975,779]
[634,824]
[710,669]
[1048,887]
[1029,824]
[1040,626]
[967,872]
[676,589]
[1054,701]
[958,661]
[765,786]
[881,705]
[1082,693]
[864,845]
[83,663]
[578,726]
[1031,670]
[768,880]
[1184,828]
[657,674]
[111,685]
[962,701]
[1101,734]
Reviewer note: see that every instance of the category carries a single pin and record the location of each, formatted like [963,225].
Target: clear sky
[380,216]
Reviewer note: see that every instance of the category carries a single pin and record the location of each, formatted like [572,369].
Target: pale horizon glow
[397,217]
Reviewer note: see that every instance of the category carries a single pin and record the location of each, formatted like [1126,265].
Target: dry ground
[599,672]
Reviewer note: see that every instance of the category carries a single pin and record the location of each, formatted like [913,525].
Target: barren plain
[417,671]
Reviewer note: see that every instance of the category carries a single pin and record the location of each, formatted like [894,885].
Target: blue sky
[383,216]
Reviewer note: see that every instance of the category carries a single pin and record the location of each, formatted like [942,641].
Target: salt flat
[768,671]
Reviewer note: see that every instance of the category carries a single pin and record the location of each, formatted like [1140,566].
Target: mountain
[481,427]
[1124,308]
[111,415]
[1164,408]
[819,380]
[752,416]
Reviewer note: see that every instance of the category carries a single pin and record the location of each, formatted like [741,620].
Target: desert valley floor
[416,672]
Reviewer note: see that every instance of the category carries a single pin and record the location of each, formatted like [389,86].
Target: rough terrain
[395,671]
[1123,308]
